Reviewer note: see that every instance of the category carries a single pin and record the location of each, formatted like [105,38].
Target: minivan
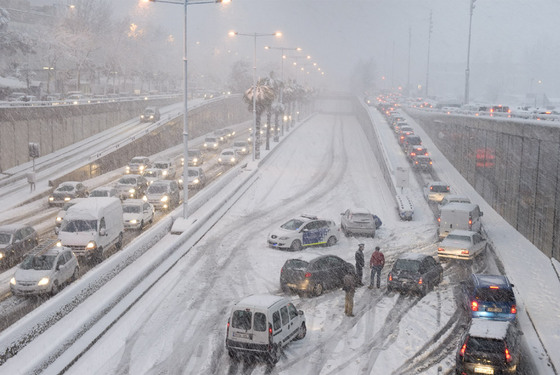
[464,216]
[259,325]
[93,226]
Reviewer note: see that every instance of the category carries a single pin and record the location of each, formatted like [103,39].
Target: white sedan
[461,244]
[137,213]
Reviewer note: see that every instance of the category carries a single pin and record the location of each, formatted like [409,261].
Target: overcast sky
[514,42]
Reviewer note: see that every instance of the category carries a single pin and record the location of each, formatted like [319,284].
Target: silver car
[461,244]
[45,271]
[357,221]
[436,191]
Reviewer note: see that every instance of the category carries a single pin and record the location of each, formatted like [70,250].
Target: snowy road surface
[326,167]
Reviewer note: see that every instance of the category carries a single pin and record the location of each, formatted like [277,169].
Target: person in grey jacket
[360,262]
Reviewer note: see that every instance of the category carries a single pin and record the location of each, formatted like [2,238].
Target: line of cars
[491,341]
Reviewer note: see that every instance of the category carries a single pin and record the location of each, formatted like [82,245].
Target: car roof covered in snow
[491,329]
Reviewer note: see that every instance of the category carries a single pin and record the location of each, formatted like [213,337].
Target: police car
[304,231]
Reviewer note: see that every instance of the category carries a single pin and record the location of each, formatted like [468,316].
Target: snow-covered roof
[12,83]
[259,301]
[91,208]
[413,256]
[488,328]
[458,206]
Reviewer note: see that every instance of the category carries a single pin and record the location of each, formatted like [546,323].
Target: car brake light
[474,306]
[494,287]
[282,270]
[390,277]
[420,281]
[508,356]
[308,274]
[513,309]
[463,349]
[440,249]
[466,252]
[439,219]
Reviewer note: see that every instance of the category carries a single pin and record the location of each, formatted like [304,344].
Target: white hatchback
[461,244]
[137,213]
[45,271]
[304,231]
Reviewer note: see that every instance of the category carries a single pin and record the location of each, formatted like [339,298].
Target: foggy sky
[514,42]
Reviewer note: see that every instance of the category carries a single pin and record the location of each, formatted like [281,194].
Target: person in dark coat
[349,286]
[376,263]
[360,262]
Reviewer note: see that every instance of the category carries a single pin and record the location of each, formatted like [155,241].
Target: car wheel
[296,245]
[424,290]
[54,288]
[274,355]
[389,288]
[440,278]
[75,275]
[331,241]
[301,332]
[318,289]
[120,241]
[232,355]
[142,225]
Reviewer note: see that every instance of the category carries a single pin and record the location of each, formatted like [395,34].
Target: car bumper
[405,286]
[129,225]
[451,255]
[361,231]
[278,244]
[477,369]
[493,316]
[247,348]
[301,286]
[31,290]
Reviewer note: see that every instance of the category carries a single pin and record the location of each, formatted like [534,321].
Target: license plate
[484,370]
[494,309]
[241,335]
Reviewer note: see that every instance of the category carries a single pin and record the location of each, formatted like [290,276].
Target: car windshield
[149,174]
[293,224]
[193,154]
[407,265]
[439,188]
[227,153]
[362,218]
[131,209]
[127,181]
[38,262]
[193,173]
[75,226]
[161,165]
[486,345]
[99,193]
[157,189]
[5,238]
[210,140]
[65,188]
[241,319]
[458,237]
[239,144]
[136,161]
[495,295]
[296,264]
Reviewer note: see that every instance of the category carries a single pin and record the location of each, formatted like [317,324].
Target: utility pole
[428,65]
[467,70]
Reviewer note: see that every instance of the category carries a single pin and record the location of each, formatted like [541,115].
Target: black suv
[315,276]
[414,273]
[489,347]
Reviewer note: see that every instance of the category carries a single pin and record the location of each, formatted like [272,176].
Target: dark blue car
[490,297]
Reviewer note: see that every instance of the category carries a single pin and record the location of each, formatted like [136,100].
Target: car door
[60,269]
[295,321]
[286,324]
[478,243]
[309,233]
[147,212]
[320,270]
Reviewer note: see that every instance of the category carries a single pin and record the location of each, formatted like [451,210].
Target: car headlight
[66,199]
[142,116]
[232,160]
[43,281]
[58,219]
[13,281]
[243,149]
[133,221]
[180,180]
[164,173]
[206,145]
[141,167]
[91,245]
[1,255]
[127,168]
[219,160]
[195,160]
[145,198]
[164,198]
[132,191]
[51,199]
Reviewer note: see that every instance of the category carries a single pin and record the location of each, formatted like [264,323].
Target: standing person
[376,263]
[360,262]
[349,286]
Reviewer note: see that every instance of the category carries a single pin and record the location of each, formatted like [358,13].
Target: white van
[93,226]
[465,216]
[260,325]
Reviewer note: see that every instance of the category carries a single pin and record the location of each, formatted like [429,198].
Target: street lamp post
[282,76]
[254,36]
[185,3]
[467,70]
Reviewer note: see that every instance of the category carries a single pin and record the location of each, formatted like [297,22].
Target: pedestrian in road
[360,262]
[349,286]
[376,263]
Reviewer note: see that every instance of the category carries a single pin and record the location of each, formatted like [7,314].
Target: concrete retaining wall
[514,165]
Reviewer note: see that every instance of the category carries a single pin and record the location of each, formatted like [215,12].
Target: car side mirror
[103,232]
[300,312]
[58,267]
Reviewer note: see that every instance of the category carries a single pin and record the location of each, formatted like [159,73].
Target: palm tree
[264,96]
[275,85]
